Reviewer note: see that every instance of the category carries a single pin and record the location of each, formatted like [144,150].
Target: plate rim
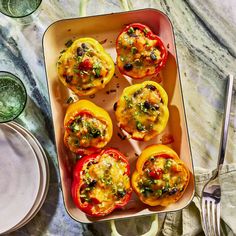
[47,176]
[38,174]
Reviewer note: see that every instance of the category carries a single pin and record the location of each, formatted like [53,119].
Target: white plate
[44,172]
[19,178]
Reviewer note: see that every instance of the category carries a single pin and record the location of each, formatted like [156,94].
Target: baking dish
[105,29]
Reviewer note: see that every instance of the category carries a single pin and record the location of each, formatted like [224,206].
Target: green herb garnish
[168,164]
[142,107]
[76,70]
[134,50]
[97,69]
[140,126]
[79,58]
[95,133]
[145,31]
[75,127]
[129,102]
[131,30]
[158,192]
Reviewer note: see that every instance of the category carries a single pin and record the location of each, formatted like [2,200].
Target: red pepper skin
[85,65]
[159,44]
[156,173]
[78,183]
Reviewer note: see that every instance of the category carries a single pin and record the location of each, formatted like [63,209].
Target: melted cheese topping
[162,177]
[87,131]
[142,111]
[81,66]
[138,55]
[106,181]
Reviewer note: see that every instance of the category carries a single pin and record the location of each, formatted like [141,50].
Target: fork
[211,193]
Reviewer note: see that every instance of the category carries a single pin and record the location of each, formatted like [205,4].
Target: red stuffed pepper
[140,52]
[101,182]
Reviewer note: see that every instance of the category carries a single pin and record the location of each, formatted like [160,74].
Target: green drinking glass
[13,97]
[19,8]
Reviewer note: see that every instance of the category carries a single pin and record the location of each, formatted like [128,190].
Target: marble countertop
[205,40]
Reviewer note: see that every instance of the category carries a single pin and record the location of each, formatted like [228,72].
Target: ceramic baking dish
[105,29]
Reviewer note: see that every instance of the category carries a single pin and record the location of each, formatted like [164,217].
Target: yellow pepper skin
[161,177]
[85,67]
[142,110]
[88,127]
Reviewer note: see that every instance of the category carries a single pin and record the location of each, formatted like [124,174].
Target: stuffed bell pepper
[101,183]
[140,52]
[142,110]
[85,67]
[88,127]
[160,177]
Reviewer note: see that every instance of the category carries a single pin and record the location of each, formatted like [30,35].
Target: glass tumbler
[13,97]
[19,8]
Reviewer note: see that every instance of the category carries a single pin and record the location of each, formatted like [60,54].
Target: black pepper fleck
[122,137]
[115,106]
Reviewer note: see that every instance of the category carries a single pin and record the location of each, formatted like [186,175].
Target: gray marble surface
[206,47]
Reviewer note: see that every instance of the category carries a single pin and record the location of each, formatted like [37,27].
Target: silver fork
[211,193]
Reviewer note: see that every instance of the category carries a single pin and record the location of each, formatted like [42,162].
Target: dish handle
[152,232]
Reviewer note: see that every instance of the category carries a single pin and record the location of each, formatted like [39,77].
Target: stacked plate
[24,177]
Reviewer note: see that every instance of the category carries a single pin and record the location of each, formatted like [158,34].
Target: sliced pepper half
[140,52]
[85,67]
[142,110]
[101,182]
[88,127]
[161,177]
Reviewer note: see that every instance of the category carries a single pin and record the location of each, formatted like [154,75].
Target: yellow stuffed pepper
[142,110]
[160,177]
[85,67]
[88,127]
